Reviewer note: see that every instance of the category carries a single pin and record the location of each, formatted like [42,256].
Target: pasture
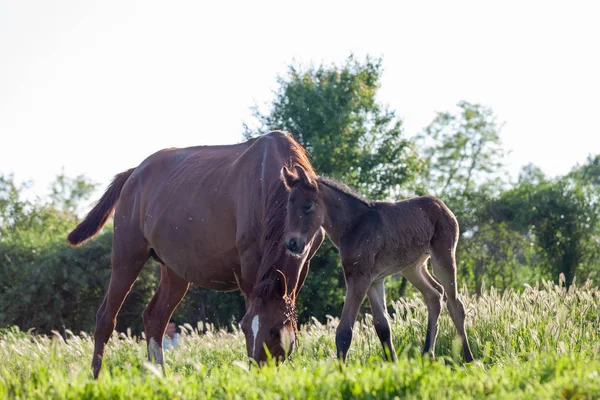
[539,343]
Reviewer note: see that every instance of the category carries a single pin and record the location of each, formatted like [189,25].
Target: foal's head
[270,319]
[305,209]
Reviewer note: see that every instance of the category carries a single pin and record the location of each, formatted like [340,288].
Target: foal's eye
[308,206]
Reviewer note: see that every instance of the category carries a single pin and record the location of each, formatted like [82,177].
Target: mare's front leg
[356,290]
[376,296]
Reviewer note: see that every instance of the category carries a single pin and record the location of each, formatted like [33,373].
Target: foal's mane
[344,189]
[272,248]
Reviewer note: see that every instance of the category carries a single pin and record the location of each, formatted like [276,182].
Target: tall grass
[542,342]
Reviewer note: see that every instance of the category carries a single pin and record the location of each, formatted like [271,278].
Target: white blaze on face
[255,326]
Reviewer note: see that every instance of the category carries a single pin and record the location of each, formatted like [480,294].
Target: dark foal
[375,240]
[213,216]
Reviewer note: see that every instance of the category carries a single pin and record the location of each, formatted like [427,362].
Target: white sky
[98,86]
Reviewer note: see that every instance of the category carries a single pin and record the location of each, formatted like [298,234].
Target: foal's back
[399,235]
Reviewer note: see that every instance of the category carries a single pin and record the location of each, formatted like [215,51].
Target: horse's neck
[343,211]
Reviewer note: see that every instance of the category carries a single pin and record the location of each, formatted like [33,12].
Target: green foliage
[497,255]
[67,194]
[541,343]
[46,285]
[562,216]
[25,222]
[463,150]
[589,172]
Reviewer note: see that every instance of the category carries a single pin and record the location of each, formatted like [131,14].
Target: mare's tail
[96,218]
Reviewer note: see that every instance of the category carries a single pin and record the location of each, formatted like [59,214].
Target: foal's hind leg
[417,276]
[127,262]
[432,281]
[444,268]
[157,314]
[376,296]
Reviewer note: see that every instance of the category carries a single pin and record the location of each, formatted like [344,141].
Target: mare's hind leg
[444,268]
[376,296]
[417,276]
[157,314]
[127,261]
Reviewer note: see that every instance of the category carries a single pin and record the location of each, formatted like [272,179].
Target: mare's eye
[308,206]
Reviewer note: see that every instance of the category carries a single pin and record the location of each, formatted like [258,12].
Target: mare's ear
[244,286]
[303,176]
[288,177]
[281,284]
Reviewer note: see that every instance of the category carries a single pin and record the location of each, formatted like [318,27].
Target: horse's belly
[389,264]
[199,248]
[210,272]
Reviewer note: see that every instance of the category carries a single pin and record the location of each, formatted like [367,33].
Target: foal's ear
[288,177]
[303,176]
[245,287]
[281,284]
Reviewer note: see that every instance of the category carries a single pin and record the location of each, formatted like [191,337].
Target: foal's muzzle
[295,245]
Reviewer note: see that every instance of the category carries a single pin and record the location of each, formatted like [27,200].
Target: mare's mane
[272,248]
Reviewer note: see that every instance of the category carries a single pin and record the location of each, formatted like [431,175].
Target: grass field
[541,343]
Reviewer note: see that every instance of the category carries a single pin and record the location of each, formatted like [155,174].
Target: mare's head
[305,209]
[270,319]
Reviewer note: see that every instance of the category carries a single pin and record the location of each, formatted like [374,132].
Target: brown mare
[212,216]
[375,240]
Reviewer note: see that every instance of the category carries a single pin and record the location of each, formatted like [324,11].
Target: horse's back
[179,175]
[399,233]
[190,204]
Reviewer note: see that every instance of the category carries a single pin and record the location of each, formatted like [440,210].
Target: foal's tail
[96,218]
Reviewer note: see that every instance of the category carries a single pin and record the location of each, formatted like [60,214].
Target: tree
[46,285]
[67,194]
[462,151]
[562,216]
[589,172]
[497,255]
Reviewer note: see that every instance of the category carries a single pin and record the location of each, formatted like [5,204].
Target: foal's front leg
[356,290]
[376,296]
